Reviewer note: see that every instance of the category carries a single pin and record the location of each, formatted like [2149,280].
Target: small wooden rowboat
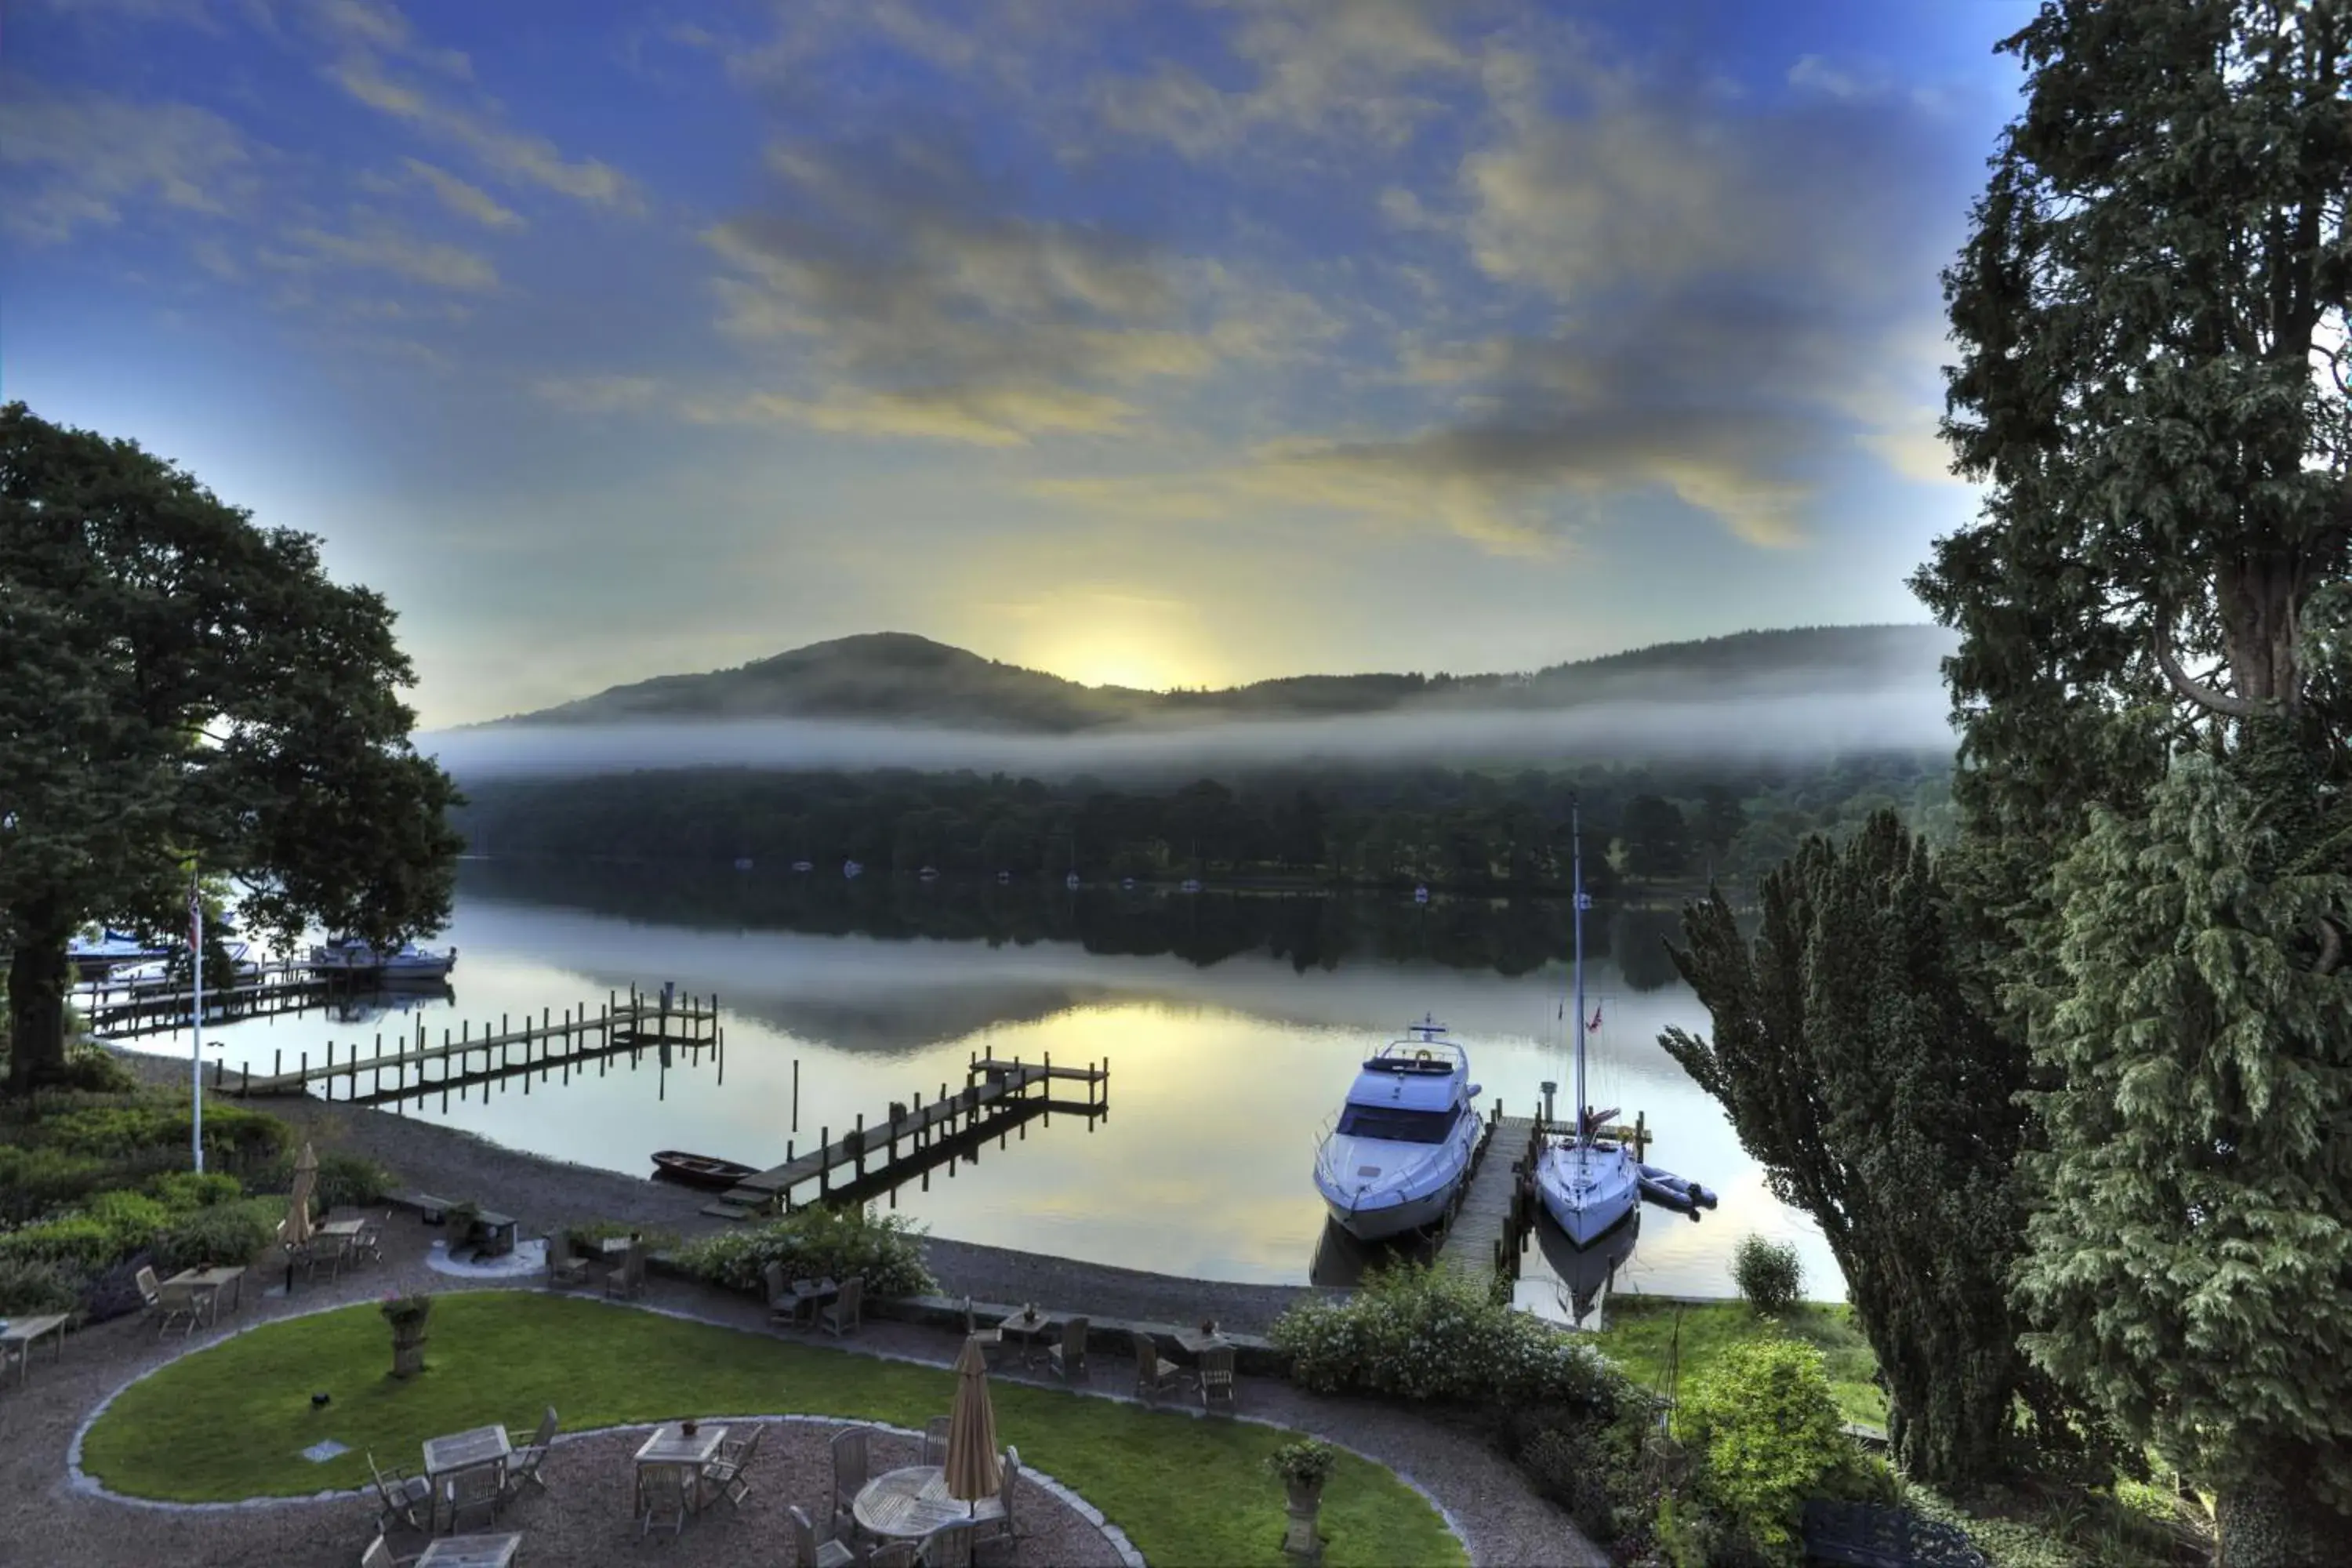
[698,1170]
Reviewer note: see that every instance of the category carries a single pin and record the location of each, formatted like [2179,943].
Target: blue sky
[1151,342]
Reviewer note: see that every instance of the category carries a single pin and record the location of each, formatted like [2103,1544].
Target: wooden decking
[1486,1224]
[996,1097]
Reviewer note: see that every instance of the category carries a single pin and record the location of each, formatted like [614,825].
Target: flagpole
[196,1034]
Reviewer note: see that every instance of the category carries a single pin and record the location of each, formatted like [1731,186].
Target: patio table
[471,1552]
[1194,1341]
[670,1447]
[209,1283]
[463,1451]
[912,1504]
[1029,1331]
[807,1295]
[22,1333]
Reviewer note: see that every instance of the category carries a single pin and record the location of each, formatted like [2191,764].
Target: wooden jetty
[1488,1223]
[122,1011]
[414,1066]
[916,1134]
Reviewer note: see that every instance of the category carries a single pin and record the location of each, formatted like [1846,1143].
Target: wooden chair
[149,1292]
[726,1469]
[182,1304]
[935,1439]
[839,1316]
[367,1246]
[1154,1374]
[852,1467]
[1069,1357]
[565,1268]
[992,1339]
[475,1487]
[523,1465]
[379,1555]
[808,1552]
[396,1496]
[1000,1526]
[898,1554]
[783,1307]
[949,1547]
[627,1280]
[665,1487]
[1217,1378]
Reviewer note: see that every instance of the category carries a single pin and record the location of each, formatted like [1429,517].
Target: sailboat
[1588,1186]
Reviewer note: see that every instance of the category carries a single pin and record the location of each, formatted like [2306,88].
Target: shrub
[180,1191]
[887,1250]
[232,1233]
[1593,1465]
[116,1127]
[76,1245]
[588,1234]
[1768,1274]
[1428,1333]
[132,1219]
[1305,1462]
[350,1181]
[35,1180]
[28,1286]
[96,1071]
[1768,1434]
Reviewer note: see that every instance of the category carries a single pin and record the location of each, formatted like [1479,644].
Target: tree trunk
[2260,597]
[38,979]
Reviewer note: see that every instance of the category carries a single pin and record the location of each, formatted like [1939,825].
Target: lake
[1232,1023]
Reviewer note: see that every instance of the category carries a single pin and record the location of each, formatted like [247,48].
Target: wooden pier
[121,1011]
[1484,1234]
[414,1066]
[917,1135]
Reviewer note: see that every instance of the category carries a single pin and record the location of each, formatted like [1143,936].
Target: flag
[1596,1019]
[196,914]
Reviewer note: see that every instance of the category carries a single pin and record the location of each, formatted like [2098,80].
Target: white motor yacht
[408,964]
[1402,1146]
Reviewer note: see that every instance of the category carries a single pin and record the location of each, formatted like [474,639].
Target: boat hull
[1588,1192]
[1380,1222]
[698,1170]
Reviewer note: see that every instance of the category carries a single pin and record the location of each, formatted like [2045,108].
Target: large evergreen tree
[2191,1262]
[184,686]
[2159,266]
[1878,1101]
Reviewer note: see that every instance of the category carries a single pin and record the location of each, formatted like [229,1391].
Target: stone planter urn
[1303,1467]
[406,1314]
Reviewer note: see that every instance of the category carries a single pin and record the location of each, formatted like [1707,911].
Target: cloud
[92,157]
[383,249]
[934,307]
[1317,68]
[466,200]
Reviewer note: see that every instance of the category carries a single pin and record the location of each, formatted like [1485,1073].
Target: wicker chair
[839,1316]
[1154,1374]
[726,1470]
[852,1465]
[1217,1378]
[808,1552]
[1069,1357]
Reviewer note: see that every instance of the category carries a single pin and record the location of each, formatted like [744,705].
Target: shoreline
[543,1192]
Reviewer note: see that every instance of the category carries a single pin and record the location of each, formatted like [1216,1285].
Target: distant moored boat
[698,1170]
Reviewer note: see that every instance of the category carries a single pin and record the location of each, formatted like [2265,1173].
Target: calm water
[1232,1025]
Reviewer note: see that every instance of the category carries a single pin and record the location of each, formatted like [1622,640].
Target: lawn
[229,1421]
[1641,1331]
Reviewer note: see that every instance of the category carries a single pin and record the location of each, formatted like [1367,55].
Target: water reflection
[1233,1024]
[1578,1278]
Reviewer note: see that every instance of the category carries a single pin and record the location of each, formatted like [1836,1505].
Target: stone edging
[87,1484]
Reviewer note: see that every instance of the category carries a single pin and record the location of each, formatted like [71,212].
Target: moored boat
[408,964]
[1588,1185]
[1404,1142]
[93,957]
[698,1170]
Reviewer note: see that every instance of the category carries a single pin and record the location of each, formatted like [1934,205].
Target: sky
[1145,342]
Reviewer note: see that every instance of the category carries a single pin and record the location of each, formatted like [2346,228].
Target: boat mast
[1576,839]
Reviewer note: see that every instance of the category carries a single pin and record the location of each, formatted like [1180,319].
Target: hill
[899,679]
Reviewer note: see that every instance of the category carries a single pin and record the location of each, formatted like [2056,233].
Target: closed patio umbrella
[974,1469]
[295,1231]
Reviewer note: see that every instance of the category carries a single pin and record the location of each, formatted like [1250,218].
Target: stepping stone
[320,1453]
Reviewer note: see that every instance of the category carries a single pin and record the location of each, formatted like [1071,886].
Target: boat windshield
[1394,1124]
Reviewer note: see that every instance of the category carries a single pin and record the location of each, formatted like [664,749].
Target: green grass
[229,1421]
[1639,1331]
